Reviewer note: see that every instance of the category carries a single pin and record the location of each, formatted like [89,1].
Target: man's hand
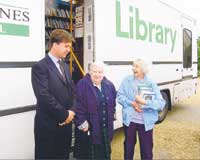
[137,107]
[70,117]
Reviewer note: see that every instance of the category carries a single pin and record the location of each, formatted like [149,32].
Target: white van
[112,31]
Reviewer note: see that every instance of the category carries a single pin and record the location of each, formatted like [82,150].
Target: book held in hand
[146,91]
[83,125]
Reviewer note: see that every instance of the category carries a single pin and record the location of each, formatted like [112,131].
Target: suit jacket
[54,95]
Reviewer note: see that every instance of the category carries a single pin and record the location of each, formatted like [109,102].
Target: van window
[187,48]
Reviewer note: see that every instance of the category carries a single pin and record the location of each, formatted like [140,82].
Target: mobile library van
[112,31]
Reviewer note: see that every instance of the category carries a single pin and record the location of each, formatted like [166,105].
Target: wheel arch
[167,92]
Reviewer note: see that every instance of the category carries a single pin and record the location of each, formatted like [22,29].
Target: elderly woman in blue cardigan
[141,100]
[95,110]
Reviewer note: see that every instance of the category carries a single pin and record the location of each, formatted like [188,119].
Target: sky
[190,7]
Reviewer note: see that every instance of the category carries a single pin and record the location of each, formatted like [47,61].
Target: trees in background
[198,47]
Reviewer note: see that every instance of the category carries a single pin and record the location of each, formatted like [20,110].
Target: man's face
[62,49]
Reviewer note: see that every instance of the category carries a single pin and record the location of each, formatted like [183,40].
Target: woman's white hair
[143,65]
[95,64]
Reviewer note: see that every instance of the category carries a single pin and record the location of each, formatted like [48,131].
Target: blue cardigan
[87,105]
[126,95]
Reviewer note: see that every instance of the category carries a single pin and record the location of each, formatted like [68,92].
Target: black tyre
[163,113]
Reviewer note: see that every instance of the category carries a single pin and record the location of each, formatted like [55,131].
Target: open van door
[189,64]
[187,72]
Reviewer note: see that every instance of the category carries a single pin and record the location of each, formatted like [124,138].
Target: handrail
[77,62]
[70,28]
[72,55]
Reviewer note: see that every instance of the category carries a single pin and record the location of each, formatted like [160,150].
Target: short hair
[60,35]
[143,65]
[97,64]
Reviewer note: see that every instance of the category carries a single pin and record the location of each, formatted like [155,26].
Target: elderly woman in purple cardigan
[95,111]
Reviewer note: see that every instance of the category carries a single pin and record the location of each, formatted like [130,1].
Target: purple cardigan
[86,107]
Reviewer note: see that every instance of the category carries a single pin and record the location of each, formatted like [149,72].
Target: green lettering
[159,34]
[173,39]
[141,29]
[151,27]
[139,24]
[131,22]
[119,33]
[166,33]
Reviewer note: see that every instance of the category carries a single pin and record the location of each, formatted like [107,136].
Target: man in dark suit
[53,89]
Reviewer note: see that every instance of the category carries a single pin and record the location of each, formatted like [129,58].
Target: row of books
[47,34]
[46,47]
[64,13]
[79,16]
[56,23]
[56,16]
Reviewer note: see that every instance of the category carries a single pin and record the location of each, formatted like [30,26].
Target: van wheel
[162,114]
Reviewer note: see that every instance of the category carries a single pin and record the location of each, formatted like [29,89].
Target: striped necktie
[61,65]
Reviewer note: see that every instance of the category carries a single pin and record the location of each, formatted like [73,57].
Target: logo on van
[142,30]
[14,21]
